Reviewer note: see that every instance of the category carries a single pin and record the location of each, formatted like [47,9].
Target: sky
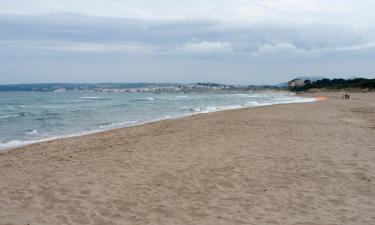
[183,41]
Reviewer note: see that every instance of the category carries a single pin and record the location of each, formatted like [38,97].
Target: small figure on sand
[347,96]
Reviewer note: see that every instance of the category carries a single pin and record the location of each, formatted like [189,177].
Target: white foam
[244,95]
[13,144]
[19,143]
[7,116]
[214,108]
[144,99]
[33,132]
[118,125]
[277,101]
[280,99]
[91,97]
[253,103]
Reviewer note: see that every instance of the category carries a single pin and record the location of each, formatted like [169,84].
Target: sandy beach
[309,163]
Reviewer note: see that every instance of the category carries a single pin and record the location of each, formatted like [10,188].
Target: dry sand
[310,163]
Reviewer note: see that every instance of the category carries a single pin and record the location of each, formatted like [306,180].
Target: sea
[30,117]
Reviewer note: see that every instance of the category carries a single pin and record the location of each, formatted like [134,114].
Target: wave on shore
[50,118]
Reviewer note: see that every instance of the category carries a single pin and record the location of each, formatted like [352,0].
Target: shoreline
[285,164]
[98,131]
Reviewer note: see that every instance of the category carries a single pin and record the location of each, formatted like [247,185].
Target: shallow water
[28,117]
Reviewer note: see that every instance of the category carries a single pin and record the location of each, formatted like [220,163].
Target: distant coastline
[137,87]
[299,84]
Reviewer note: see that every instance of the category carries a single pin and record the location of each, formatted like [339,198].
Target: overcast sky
[227,41]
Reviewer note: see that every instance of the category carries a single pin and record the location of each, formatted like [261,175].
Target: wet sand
[310,163]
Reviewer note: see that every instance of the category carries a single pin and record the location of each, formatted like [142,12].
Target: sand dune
[311,163]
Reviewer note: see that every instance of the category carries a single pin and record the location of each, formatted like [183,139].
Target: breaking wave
[67,116]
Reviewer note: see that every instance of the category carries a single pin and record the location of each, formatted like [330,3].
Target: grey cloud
[203,48]
[165,36]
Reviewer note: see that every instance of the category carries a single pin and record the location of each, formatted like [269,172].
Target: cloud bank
[252,41]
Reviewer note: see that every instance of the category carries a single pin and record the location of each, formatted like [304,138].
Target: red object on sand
[321,98]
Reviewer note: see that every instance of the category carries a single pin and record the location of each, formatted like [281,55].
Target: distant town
[135,87]
[297,85]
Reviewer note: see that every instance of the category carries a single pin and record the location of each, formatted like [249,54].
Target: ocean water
[29,117]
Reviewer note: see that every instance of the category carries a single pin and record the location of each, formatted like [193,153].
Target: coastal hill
[331,84]
[311,78]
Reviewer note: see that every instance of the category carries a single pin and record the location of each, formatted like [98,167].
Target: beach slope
[310,163]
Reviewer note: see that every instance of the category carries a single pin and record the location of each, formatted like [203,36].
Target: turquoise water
[28,117]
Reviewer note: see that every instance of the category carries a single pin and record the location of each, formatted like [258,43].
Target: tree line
[357,83]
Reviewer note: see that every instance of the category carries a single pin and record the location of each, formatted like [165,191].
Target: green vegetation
[334,84]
